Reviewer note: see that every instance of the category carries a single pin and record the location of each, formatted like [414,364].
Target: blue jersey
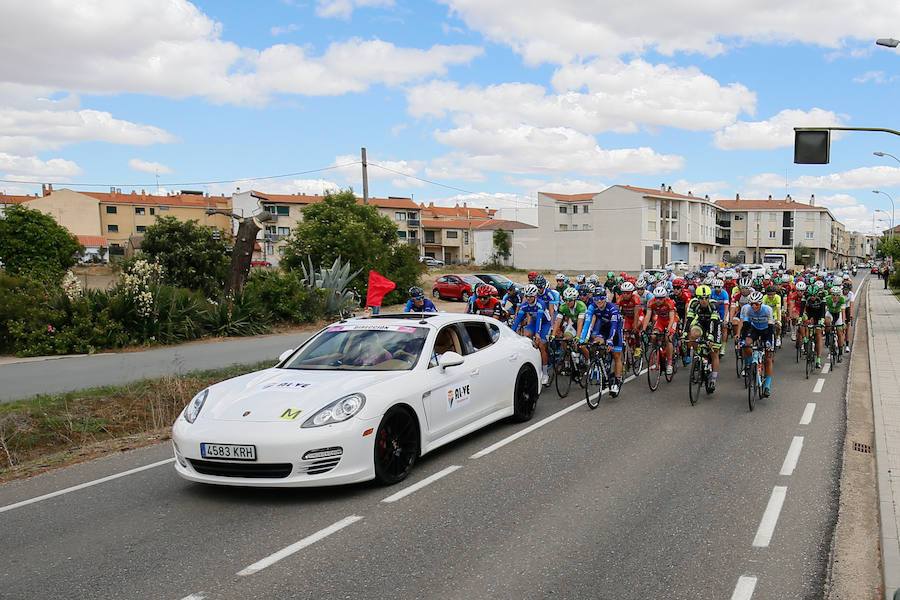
[646,297]
[535,311]
[758,319]
[608,323]
[721,299]
[549,298]
[427,306]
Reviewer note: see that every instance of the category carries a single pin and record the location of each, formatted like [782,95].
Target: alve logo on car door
[458,396]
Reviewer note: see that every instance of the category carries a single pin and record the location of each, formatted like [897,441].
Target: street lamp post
[892,208]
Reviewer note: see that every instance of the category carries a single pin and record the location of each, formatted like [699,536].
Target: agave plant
[333,281]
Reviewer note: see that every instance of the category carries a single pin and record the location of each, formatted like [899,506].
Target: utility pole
[758,259]
[365,174]
[664,255]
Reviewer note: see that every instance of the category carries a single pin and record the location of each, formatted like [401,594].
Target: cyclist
[850,295]
[537,328]
[723,306]
[531,276]
[603,323]
[562,282]
[661,312]
[418,302]
[814,315]
[511,299]
[758,325]
[549,298]
[630,305]
[772,299]
[570,318]
[580,278]
[794,308]
[640,286]
[704,320]
[835,306]
[610,282]
[681,296]
[585,291]
[486,302]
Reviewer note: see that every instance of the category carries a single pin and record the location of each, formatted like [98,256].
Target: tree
[189,253]
[888,247]
[804,256]
[34,244]
[340,226]
[502,244]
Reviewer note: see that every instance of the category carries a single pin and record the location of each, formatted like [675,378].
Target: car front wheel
[435,294]
[396,446]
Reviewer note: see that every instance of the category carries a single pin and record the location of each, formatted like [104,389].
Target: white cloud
[173,49]
[24,167]
[862,178]
[877,77]
[776,132]
[343,9]
[563,30]
[145,166]
[352,174]
[283,29]
[701,188]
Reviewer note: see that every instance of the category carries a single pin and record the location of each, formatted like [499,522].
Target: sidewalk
[884,358]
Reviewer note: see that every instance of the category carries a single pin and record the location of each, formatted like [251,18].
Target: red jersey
[626,304]
[488,307]
[661,308]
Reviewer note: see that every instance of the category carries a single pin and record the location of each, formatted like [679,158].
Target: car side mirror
[285,354]
[450,359]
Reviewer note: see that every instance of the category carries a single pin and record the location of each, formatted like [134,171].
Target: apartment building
[287,212]
[449,231]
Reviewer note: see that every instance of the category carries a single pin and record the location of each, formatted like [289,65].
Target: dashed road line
[826,368]
[819,385]
[419,485]
[196,596]
[808,412]
[297,546]
[793,455]
[770,517]
[744,588]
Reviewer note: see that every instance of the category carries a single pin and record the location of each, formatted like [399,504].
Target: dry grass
[60,429]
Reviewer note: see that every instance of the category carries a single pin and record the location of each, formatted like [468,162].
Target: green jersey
[835,305]
[572,313]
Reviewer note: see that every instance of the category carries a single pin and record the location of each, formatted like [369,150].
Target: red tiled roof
[89,241]
[10,199]
[392,202]
[570,197]
[459,212]
[766,205]
[503,224]
[450,223]
[185,200]
[655,192]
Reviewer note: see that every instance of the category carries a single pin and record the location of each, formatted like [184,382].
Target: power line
[184,183]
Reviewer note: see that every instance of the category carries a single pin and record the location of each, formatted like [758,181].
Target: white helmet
[801,286]
[626,287]
[847,277]
[530,290]
[718,283]
[560,277]
[640,284]
[756,297]
[580,278]
[661,292]
[708,281]
[570,293]
[835,289]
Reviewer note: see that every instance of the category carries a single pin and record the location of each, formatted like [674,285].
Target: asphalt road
[646,497]
[26,379]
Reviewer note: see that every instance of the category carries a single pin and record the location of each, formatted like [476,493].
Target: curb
[890,541]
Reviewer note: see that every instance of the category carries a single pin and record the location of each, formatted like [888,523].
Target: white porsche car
[362,399]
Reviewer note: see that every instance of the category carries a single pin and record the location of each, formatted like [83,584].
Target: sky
[484,101]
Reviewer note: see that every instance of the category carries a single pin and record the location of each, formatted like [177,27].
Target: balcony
[414,241]
[413,223]
[723,240]
[723,223]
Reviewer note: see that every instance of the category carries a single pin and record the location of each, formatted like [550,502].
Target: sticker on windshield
[458,396]
[289,385]
[371,327]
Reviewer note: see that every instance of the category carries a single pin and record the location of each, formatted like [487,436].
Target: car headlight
[195,406]
[339,410]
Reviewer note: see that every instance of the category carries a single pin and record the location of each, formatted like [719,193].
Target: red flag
[379,287]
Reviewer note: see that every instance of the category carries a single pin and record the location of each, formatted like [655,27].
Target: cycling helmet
[416,293]
[610,274]
[847,277]
[530,290]
[570,294]
[718,283]
[703,291]
[627,287]
[661,292]
[483,290]
[678,282]
[640,284]
[540,281]
[581,278]
[560,277]
[594,279]
[756,297]
[730,274]
[708,281]
[651,279]
[835,289]
[801,286]
[771,289]
[532,275]
[745,282]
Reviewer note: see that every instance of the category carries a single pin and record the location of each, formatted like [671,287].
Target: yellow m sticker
[290,414]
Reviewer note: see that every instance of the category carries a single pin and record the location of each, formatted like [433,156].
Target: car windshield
[362,347]
[471,280]
[500,279]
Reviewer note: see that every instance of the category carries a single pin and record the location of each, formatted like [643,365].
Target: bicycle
[834,353]
[632,344]
[753,376]
[657,358]
[809,349]
[700,372]
[677,353]
[554,359]
[567,367]
[597,376]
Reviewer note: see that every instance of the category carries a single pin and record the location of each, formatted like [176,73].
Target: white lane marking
[541,423]
[196,596]
[825,368]
[418,486]
[770,517]
[297,546]
[744,588]
[793,455]
[806,419]
[81,486]
[819,385]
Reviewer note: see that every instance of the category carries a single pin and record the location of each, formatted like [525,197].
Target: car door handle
[474,372]
[513,357]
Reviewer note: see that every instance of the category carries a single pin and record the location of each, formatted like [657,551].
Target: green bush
[238,316]
[34,244]
[285,296]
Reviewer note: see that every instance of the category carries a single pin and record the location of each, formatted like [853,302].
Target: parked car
[658,273]
[678,266]
[260,263]
[874,271]
[430,262]
[455,287]
[704,269]
[498,281]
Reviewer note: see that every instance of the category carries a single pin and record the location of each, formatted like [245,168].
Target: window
[563,227]
[574,209]
[651,225]
[152,211]
[110,210]
[140,228]
[400,216]
[112,228]
[401,234]
[412,216]
[810,235]
[466,238]
[585,208]
[562,210]
[738,217]
[452,234]
[139,210]
[771,235]
[284,231]
[412,234]
[429,237]
[162,208]
[280,250]
[270,229]
[447,340]
[283,211]
[479,336]
[585,227]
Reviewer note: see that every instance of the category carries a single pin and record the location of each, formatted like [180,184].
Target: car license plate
[227,451]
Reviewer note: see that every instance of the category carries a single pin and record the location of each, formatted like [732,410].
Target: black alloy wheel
[396,446]
[525,395]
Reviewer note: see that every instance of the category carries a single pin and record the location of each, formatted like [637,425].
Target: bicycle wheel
[760,376]
[751,386]
[666,360]
[593,383]
[810,359]
[637,362]
[654,366]
[695,382]
[799,348]
[564,368]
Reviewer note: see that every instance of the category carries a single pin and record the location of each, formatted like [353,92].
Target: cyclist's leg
[715,343]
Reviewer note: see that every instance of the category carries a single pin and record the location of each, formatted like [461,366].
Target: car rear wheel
[526,394]
[396,446]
